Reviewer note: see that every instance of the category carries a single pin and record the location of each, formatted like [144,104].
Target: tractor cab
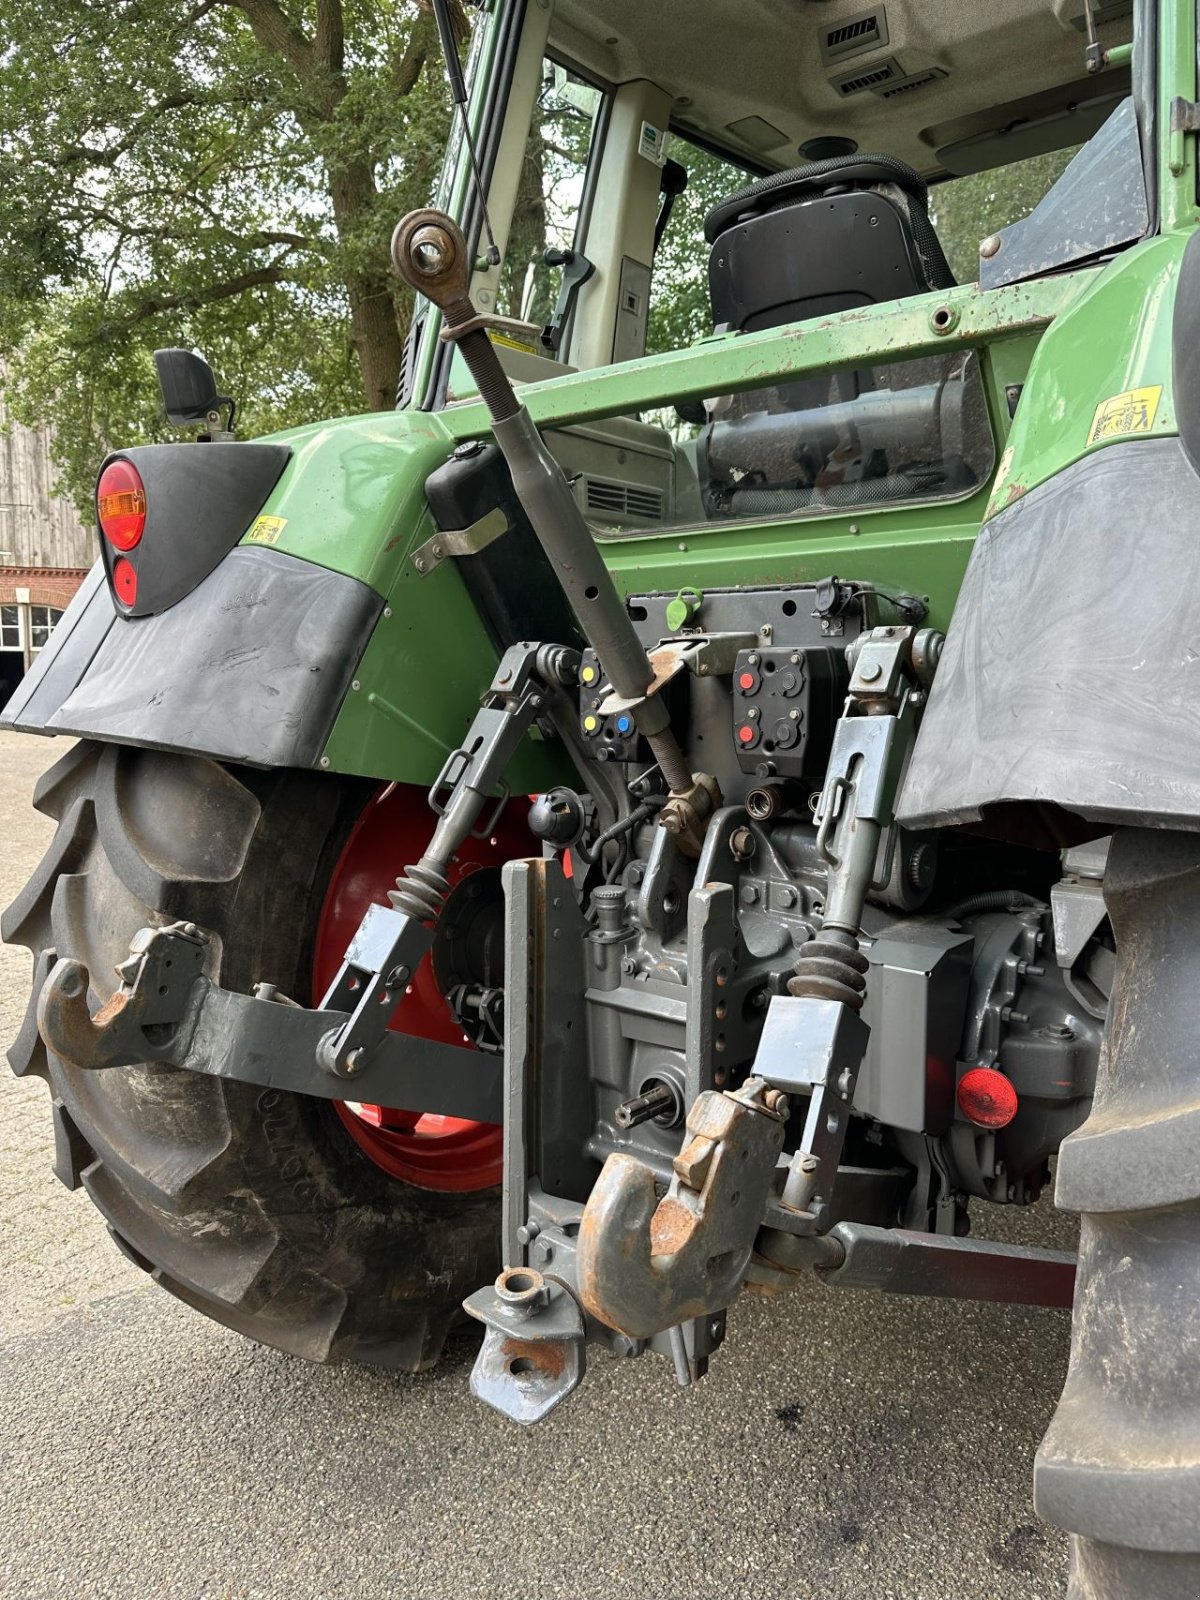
[697,171]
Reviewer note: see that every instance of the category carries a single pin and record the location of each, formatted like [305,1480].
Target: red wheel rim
[449,1154]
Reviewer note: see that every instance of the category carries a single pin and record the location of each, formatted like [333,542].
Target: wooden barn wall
[37,529]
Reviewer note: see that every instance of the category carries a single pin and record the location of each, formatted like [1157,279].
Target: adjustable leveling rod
[430,253]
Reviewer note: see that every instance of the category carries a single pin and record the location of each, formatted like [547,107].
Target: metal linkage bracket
[704,655]
[814,1046]
[646,1265]
[533,1350]
[168,1011]
[814,1038]
[517,696]
[385,951]
[391,941]
[470,541]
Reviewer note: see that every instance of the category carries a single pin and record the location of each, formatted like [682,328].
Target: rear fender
[1067,701]
[251,666]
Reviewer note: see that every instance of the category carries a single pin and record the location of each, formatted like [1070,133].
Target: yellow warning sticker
[266,530]
[1131,412]
[509,343]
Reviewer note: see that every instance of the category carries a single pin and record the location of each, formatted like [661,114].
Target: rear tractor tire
[255,1206]
[1119,1468]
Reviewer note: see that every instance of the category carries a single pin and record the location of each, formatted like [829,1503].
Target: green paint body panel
[353,494]
[353,499]
[1115,338]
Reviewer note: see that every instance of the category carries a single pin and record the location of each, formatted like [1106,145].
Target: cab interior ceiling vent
[918,80]
[876,77]
[886,78]
[854,35]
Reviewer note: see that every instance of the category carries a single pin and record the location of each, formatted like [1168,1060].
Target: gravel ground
[844,1446]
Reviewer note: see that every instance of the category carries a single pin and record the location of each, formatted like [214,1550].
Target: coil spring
[830,969]
[420,892]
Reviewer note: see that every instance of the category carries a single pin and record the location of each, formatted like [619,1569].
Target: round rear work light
[987,1098]
[124,580]
[121,504]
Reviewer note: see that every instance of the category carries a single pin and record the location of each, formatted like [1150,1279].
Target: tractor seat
[831,236]
[845,232]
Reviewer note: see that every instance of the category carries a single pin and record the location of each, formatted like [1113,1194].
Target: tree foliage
[217,173]
[966,210]
[225,174]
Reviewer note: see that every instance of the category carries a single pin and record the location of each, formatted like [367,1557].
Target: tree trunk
[375,327]
[377,338]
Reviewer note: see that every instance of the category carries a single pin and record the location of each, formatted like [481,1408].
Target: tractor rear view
[638,823]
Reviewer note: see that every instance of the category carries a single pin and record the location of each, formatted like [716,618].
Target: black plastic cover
[814,178]
[511,582]
[811,259]
[1067,700]
[189,389]
[1185,351]
[200,499]
[786,705]
[252,666]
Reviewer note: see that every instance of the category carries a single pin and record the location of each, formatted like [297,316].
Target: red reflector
[987,1098]
[747,735]
[124,581]
[121,504]
[746,681]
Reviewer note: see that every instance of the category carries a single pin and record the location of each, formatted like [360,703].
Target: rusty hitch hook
[645,1265]
[158,984]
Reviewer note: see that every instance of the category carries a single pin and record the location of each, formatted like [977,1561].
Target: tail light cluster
[169,514]
[121,513]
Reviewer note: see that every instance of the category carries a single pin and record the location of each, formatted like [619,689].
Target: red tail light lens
[987,1098]
[124,580]
[121,505]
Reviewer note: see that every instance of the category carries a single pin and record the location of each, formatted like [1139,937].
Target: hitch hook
[158,980]
[646,1265]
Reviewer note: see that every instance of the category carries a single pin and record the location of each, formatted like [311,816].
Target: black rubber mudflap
[1120,1465]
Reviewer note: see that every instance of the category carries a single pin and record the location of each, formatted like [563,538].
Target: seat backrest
[845,232]
[836,234]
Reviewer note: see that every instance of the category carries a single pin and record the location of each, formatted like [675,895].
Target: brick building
[45,551]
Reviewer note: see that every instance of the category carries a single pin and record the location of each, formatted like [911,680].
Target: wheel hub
[449,1154]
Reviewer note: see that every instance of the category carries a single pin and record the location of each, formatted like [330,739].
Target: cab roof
[950,86]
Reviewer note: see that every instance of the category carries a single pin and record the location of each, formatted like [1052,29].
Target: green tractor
[624,828]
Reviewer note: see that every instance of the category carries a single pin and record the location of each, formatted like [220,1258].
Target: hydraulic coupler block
[645,1265]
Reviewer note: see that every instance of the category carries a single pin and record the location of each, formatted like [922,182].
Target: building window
[41,624]
[10,628]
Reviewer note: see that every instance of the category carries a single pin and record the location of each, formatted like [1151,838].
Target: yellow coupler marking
[266,530]
[1131,412]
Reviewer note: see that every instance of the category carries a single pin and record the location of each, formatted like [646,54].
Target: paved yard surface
[845,1446]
